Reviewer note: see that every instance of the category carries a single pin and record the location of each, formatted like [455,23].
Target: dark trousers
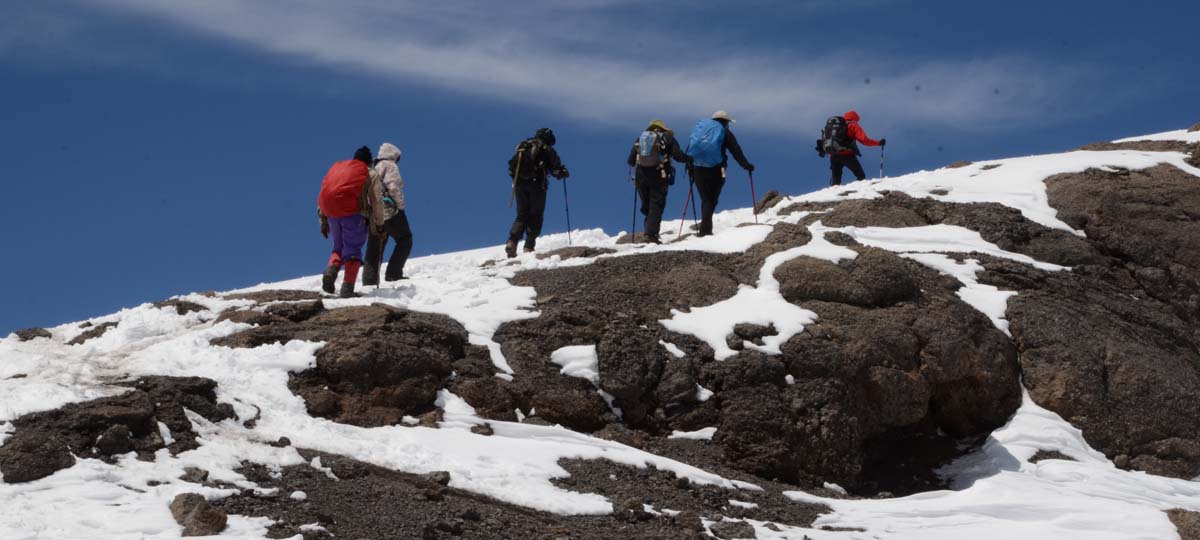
[836,162]
[397,228]
[709,183]
[652,189]
[531,207]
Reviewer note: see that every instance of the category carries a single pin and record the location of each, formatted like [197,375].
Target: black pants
[836,162]
[531,207]
[652,189]
[397,228]
[709,183]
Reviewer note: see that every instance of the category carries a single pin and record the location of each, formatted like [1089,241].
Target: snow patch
[1181,135]
[761,305]
[703,434]
[999,494]
[165,433]
[988,299]
[1016,182]
[578,361]
[703,394]
[672,348]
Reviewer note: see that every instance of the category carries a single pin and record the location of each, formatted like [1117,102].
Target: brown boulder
[197,516]
[876,278]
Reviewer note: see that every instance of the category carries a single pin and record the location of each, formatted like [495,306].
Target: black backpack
[835,138]
[528,159]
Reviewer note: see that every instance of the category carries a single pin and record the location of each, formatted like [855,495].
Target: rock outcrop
[46,442]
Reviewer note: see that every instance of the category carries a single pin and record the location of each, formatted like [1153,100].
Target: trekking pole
[382,249]
[695,215]
[516,171]
[683,218]
[633,225]
[881,147]
[753,198]
[567,206]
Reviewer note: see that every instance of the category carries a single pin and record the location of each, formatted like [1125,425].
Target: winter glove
[750,167]
[325,228]
[388,201]
[882,142]
[562,174]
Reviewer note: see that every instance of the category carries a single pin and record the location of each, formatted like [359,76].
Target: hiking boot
[348,291]
[329,278]
[652,240]
[388,276]
[528,249]
[370,276]
[510,249]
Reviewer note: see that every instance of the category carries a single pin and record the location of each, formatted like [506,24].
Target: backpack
[706,144]
[528,157]
[342,190]
[652,149]
[835,138]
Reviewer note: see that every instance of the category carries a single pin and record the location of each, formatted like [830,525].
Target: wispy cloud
[591,60]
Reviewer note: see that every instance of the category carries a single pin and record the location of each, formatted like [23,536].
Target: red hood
[851,116]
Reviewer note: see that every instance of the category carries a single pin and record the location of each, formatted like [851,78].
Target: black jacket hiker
[711,180]
[530,185]
[652,182]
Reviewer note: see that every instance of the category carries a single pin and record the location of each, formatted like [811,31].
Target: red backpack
[342,189]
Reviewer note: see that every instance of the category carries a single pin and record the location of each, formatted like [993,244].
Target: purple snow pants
[349,234]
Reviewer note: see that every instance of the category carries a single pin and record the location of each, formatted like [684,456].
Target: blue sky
[153,148]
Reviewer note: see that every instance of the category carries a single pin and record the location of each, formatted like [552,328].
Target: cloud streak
[587,61]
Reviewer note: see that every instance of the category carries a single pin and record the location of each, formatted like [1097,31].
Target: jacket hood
[851,116]
[388,152]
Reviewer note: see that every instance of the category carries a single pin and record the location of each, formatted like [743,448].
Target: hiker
[840,140]
[343,206]
[652,153]
[535,158]
[709,141]
[388,218]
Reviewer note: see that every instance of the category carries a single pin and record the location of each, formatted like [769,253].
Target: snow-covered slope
[999,492]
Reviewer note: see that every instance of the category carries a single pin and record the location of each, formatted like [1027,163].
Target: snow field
[999,493]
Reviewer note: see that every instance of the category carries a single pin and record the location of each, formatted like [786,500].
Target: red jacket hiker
[343,188]
[856,132]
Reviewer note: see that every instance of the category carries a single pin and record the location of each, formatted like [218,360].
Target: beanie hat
[363,154]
